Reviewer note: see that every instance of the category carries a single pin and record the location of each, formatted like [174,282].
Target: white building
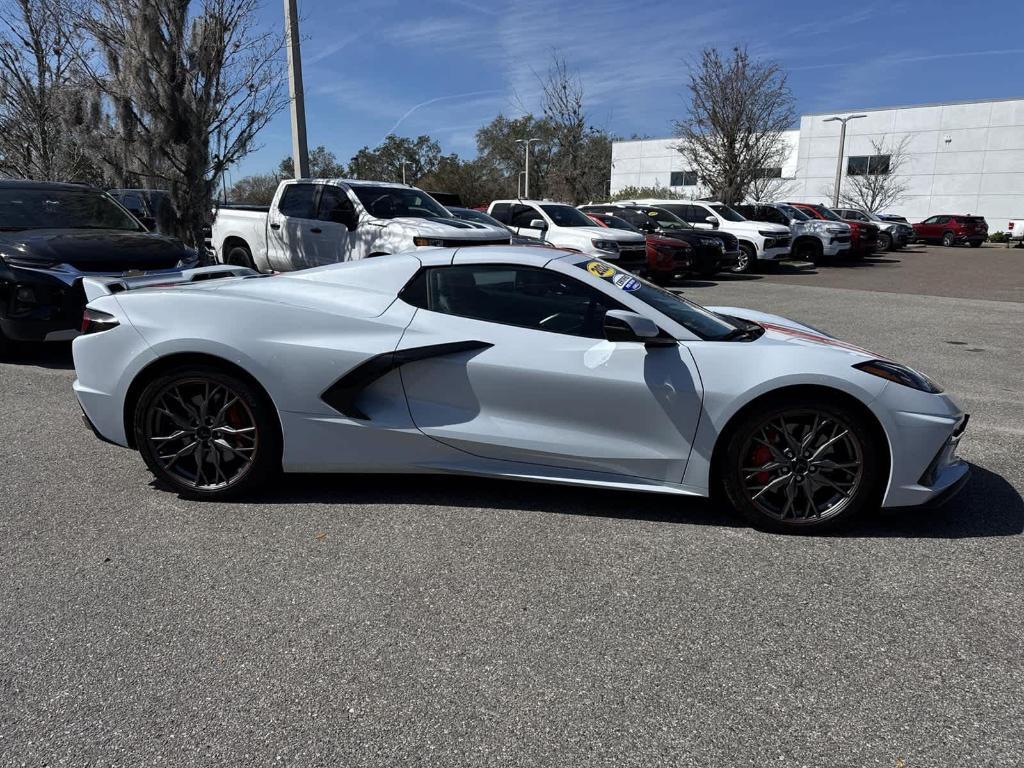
[966,157]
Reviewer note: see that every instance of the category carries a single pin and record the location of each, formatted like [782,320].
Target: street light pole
[403,171]
[842,145]
[300,153]
[526,183]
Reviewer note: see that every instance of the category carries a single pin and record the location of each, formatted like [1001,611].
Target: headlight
[605,245]
[427,242]
[769,233]
[836,230]
[901,374]
[16,260]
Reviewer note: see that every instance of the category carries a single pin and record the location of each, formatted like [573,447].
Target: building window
[864,165]
[768,173]
[683,179]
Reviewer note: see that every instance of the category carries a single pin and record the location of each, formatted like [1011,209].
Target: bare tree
[879,186]
[38,92]
[768,188]
[185,88]
[583,154]
[738,112]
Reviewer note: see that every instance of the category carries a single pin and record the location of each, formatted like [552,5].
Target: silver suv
[892,235]
[813,239]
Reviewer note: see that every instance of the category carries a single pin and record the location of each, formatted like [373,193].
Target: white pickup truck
[1015,231]
[312,222]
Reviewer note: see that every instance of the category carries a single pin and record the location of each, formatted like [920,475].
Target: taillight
[1010,226]
[94,321]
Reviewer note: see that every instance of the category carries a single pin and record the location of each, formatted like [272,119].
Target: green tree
[385,162]
[323,164]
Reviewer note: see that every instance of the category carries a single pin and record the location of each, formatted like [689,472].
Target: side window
[500,212]
[528,297]
[133,202]
[297,201]
[334,205]
[942,220]
[930,220]
[522,215]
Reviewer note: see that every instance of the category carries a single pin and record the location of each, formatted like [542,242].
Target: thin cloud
[428,102]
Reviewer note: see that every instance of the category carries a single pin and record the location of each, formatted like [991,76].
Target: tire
[240,256]
[6,345]
[975,243]
[246,456]
[812,250]
[948,240]
[747,260]
[838,493]
[885,242]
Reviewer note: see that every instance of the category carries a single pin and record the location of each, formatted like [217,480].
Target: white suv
[758,241]
[566,227]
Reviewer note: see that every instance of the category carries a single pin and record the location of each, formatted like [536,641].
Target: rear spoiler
[95,287]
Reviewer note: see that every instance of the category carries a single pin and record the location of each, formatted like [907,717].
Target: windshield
[701,322]
[614,222]
[567,216]
[828,214]
[666,219]
[793,213]
[468,214]
[726,212]
[62,209]
[393,202]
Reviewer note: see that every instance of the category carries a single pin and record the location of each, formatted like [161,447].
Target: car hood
[95,250]
[603,233]
[449,229]
[782,330]
[754,226]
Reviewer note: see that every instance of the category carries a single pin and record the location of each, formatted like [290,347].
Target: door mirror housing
[621,325]
[538,224]
[344,216]
[712,221]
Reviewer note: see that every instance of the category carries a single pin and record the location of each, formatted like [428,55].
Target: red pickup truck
[952,229]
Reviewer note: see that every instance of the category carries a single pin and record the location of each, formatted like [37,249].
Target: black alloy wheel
[802,466]
[884,241]
[746,260]
[206,434]
[948,240]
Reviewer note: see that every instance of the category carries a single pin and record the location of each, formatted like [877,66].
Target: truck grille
[632,258]
[777,242]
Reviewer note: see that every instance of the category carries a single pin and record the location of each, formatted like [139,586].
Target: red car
[667,257]
[863,236]
[951,229]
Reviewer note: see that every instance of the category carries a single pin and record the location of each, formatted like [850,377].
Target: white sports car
[524,363]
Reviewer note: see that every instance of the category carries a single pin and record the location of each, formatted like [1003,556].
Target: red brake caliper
[761,455]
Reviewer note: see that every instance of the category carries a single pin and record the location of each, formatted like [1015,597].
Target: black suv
[713,251]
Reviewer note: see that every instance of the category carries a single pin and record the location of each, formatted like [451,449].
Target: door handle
[275,226]
[316,230]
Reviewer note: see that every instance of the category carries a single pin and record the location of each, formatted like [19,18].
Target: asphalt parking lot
[445,621]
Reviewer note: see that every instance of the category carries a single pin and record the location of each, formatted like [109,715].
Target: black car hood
[95,250]
[695,236]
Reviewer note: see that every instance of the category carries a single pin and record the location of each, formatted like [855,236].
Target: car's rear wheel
[801,465]
[948,240]
[746,261]
[207,434]
[240,256]
[884,241]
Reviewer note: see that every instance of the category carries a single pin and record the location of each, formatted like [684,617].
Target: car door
[329,239]
[699,217]
[289,228]
[927,228]
[525,375]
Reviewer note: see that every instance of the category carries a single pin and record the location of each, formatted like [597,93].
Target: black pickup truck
[51,236]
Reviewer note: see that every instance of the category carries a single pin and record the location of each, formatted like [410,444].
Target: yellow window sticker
[598,269]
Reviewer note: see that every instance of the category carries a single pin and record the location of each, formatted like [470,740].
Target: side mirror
[620,325]
[344,216]
[538,224]
[712,221]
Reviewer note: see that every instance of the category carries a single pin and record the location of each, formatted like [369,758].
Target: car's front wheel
[884,241]
[746,261]
[801,465]
[206,433]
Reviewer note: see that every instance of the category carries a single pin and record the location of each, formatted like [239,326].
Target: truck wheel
[812,251]
[240,256]
[884,241]
[746,260]
[948,240]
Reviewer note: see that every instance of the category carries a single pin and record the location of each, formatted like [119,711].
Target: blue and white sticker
[626,282]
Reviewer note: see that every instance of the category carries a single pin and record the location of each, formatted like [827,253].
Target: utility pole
[300,152]
[403,171]
[842,146]
[526,183]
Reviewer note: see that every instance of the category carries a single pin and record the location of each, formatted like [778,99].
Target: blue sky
[446,67]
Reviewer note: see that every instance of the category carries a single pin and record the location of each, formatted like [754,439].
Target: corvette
[521,363]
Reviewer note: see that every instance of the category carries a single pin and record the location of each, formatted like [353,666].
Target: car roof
[54,185]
